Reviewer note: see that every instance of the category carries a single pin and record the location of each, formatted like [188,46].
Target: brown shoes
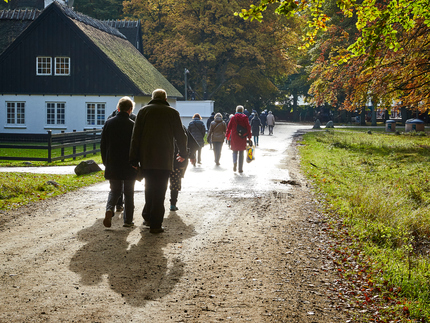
[107,222]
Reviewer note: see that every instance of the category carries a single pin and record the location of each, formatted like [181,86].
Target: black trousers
[156,182]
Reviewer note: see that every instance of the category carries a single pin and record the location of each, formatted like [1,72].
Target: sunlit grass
[380,184]
[18,189]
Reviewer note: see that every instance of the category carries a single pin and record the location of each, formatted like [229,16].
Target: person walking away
[208,125]
[263,119]
[270,122]
[120,203]
[238,143]
[216,134]
[255,128]
[180,168]
[227,138]
[115,149]
[197,128]
[158,126]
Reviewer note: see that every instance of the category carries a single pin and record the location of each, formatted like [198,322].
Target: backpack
[241,131]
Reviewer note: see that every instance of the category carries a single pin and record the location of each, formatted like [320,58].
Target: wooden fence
[87,141]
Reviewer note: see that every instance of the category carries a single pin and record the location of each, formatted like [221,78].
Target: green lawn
[376,187]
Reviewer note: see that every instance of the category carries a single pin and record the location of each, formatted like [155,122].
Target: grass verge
[377,188]
[18,189]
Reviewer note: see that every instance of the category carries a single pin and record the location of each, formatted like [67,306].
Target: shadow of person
[138,271]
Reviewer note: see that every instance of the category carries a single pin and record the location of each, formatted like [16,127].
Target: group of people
[156,146]
[143,148]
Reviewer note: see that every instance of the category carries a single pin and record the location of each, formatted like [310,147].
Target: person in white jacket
[270,122]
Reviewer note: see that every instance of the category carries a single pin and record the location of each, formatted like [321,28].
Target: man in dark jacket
[263,118]
[208,125]
[157,128]
[115,148]
[120,203]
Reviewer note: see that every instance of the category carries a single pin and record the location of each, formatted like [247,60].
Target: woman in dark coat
[197,128]
[179,169]
[255,128]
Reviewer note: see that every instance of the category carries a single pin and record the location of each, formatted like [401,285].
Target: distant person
[179,169]
[158,127]
[270,122]
[238,143]
[255,128]
[120,203]
[115,148]
[216,134]
[263,120]
[197,128]
[208,125]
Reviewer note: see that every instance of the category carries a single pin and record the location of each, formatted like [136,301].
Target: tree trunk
[295,110]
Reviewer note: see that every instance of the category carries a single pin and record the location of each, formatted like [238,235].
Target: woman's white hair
[239,108]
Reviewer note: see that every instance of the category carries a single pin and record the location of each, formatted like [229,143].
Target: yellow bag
[249,152]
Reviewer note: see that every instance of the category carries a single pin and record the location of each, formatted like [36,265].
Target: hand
[193,161]
[179,158]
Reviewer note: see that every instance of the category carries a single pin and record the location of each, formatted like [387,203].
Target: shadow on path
[138,271]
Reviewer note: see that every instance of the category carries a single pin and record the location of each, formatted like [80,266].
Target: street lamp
[186,84]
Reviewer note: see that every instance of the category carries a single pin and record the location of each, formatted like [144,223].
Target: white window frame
[94,115]
[18,112]
[62,66]
[56,117]
[44,69]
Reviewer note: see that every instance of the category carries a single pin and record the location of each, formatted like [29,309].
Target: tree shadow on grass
[137,271]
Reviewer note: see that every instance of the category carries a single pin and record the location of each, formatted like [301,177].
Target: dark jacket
[263,118]
[115,147]
[209,121]
[192,147]
[157,128]
[115,112]
[197,128]
[255,125]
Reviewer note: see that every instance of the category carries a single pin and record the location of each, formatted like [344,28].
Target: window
[62,66]
[55,113]
[43,66]
[95,114]
[15,113]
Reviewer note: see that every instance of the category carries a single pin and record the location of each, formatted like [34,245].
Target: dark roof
[130,29]
[89,21]
[13,23]
[18,14]
[130,61]
[110,45]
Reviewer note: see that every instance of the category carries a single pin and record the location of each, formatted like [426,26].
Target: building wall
[76,111]
[188,108]
[36,112]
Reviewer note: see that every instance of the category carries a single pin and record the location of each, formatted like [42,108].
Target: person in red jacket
[237,142]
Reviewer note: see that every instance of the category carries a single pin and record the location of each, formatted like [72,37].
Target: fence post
[94,144]
[62,148]
[49,146]
[74,149]
[85,145]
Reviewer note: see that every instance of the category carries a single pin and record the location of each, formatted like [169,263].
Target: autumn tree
[100,9]
[229,60]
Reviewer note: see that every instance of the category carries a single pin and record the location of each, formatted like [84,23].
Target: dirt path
[224,257]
